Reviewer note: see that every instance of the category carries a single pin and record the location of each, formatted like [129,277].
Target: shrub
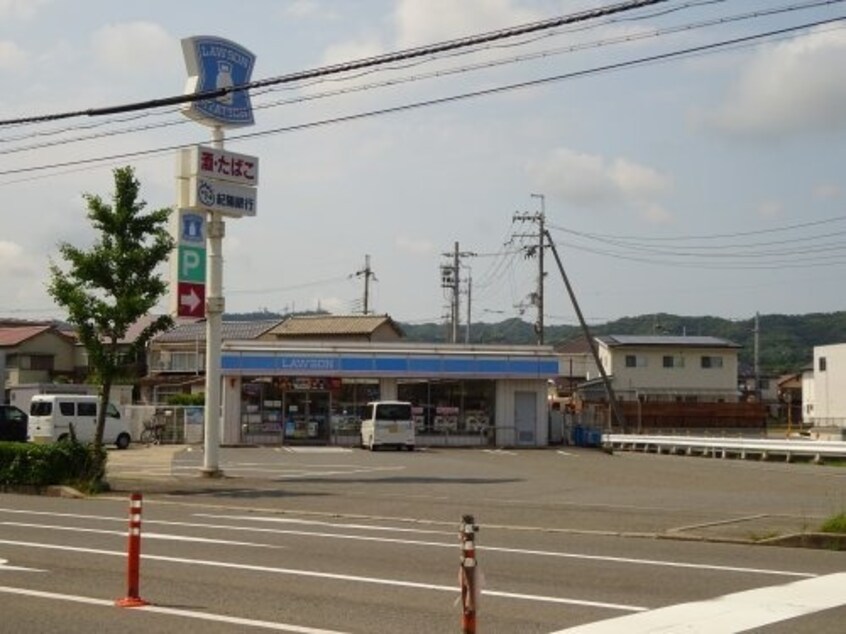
[835,524]
[63,463]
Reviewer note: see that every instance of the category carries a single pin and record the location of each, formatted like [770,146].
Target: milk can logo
[216,64]
[192,228]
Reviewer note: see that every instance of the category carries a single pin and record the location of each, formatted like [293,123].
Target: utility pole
[451,280]
[609,390]
[469,321]
[368,274]
[537,296]
[757,332]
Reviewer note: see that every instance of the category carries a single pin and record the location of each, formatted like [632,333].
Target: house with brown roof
[337,327]
[37,353]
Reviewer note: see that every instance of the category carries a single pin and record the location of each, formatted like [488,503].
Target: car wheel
[63,438]
[122,441]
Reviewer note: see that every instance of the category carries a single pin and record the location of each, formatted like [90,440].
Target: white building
[670,368]
[825,405]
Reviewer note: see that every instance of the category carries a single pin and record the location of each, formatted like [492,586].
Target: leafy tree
[110,286]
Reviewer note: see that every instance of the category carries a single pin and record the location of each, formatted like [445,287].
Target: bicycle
[153,433]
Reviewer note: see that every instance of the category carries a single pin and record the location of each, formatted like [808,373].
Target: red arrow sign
[192,300]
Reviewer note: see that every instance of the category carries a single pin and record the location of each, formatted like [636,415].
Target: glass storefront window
[450,406]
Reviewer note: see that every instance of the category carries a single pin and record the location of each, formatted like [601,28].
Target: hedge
[63,463]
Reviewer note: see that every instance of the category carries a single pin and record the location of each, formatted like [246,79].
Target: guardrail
[762,448]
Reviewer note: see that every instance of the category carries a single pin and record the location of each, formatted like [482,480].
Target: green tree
[109,287]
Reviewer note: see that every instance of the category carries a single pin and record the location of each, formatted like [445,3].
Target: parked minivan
[387,423]
[51,415]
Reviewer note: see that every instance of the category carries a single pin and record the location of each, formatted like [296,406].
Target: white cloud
[135,47]
[417,246]
[23,9]
[789,88]
[303,9]
[366,46]
[12,57]
[770,209]
[828,191]
[588,180]
[425,21]
[14,262]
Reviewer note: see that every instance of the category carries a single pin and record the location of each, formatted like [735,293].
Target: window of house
[635,361]
[711,362]
[671,361]
[41,362]
[822,364]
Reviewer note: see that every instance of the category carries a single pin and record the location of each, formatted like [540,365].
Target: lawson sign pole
[216,183]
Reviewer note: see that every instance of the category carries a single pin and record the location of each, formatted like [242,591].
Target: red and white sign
[208,162]
[191,300]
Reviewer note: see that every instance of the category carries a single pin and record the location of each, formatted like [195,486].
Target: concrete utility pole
[469,293]
[451,280]
[368,274]
[757,332]
[609,389]
[538,296]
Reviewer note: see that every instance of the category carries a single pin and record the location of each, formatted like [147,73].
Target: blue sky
[708,184]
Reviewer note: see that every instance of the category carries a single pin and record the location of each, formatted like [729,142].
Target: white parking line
[738,612]
[203,616]
[500,452]
[397,583]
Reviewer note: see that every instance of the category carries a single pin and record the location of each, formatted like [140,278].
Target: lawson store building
[312,392]
[305,381]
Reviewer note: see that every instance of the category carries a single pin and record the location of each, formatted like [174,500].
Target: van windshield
[393,411]
[40,408]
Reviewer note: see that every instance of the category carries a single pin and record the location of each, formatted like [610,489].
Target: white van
[387,423]
[51,415]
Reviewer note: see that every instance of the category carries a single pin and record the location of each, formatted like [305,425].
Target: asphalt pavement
[561,490]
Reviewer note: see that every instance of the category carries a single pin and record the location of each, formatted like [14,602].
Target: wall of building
[830,386]
[506,432]
[690,376]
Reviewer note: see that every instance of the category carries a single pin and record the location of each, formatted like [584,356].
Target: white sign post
[223,184]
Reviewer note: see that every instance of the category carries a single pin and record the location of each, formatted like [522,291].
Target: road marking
[203,616]
[412,542]
[287,473]
[313,450]
[4,565]
[736,612]
[500,452]
[146,535]
[397,583]
[566,453]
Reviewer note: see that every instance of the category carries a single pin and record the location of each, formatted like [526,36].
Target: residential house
[37,353]
[825,406]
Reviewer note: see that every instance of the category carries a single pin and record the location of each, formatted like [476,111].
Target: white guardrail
[762,448]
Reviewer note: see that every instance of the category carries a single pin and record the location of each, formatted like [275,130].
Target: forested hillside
[786,342]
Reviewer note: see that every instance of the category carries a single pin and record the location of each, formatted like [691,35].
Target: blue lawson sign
[214,63]
[411,365]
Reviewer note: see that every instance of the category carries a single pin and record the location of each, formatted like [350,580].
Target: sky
[709,182]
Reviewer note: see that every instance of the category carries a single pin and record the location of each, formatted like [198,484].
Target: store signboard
[229,199]
[216,65]
[209,162]
[191,299]
[188,277]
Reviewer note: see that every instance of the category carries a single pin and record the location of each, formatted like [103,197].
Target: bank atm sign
[191,264]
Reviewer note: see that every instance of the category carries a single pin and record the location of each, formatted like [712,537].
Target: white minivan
[387,423]
[51,415]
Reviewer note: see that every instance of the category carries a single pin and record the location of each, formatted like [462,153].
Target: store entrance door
[307,417]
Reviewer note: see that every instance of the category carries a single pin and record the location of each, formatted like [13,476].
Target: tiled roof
[328,325]
[16,335]
[667,341]
[577,345]
[230,330]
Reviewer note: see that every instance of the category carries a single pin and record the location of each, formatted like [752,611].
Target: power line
[449,99]
[378,60]
[627,38]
